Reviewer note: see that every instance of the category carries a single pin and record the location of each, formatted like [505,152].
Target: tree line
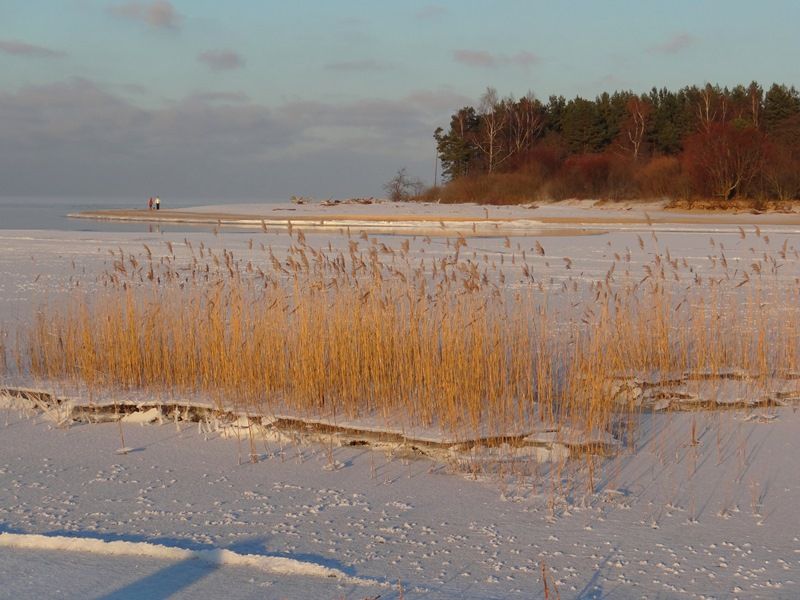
[707,142]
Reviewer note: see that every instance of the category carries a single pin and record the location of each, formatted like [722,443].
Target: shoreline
[457,219]
[397,224]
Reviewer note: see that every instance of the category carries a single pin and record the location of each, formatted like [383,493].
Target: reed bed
[382,333]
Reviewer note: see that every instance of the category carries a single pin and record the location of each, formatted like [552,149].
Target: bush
[582,176]
[723,161]
[466,189]
[545,160]
[661,177]
[402,187]
[498,188]
[621,184]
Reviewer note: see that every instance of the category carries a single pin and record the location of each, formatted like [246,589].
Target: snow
[713,390]
[218,557]
[580,211]
[544,445]
[705,507]
[151,415]
[569,217]
[662,520]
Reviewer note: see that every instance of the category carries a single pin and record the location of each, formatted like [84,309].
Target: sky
[259,99]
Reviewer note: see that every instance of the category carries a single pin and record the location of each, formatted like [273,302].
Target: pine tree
[582,126]
[456,148]
[780,103]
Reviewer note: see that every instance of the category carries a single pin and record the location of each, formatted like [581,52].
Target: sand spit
[553,219]
[414,224]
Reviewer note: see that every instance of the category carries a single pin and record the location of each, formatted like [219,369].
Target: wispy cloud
[482,58]
[159,14]
[221,60]
[675,44]
[475,58]
[357,65]
[17,48]
[431,11]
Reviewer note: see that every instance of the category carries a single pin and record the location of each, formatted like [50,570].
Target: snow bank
[143,417]
[543,446]
[219,557]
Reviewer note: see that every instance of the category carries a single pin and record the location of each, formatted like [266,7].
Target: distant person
[150,203]
[158,203]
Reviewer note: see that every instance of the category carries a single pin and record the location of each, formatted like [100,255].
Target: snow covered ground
[568,211]
[706,516]
[712,520]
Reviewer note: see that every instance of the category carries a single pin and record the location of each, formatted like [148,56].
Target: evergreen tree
[780,103]
[707,140]
[582,126]
[556,106]
[457,149]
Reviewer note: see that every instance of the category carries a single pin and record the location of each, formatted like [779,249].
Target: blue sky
[263,99]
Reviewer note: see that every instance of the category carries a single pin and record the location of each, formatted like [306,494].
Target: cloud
[17,48]
[431,11]
[484,59]
[356,65]
[675,44]
[230,97]
[77,137]
[221,60]
[523,59]
[159,14]
[136,89]
[387,118]
[475,58]
[442,101]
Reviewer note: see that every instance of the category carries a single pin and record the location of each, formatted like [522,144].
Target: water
[51,213]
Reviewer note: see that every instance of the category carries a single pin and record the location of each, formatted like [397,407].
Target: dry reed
[413,341]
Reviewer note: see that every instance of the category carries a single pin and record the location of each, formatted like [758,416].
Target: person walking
[150,203]
[158,203]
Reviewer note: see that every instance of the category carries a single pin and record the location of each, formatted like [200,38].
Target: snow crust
[220,557]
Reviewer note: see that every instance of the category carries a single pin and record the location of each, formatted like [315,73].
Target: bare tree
[402,187]
[493,120]
[756,94]
[712,106]
[526,123]
[633,128]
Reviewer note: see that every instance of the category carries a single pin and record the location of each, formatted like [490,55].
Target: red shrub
[661,177]
[723,160]
[585,176]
